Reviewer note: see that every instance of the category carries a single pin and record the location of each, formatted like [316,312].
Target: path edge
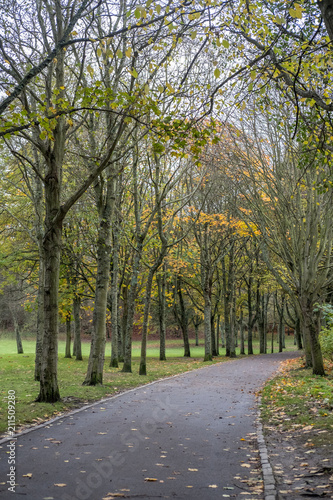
[270,491]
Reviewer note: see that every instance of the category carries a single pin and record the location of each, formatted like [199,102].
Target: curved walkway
[191,436]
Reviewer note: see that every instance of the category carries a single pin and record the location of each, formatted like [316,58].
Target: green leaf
[217,73]
[158,147]
[225,44]
[134,73]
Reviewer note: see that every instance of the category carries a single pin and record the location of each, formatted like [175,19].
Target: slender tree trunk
[161,283]
[226,307]
[77,350]
[207,326]
[143,360]
[218,334]
[212,332]
[222,335]
[184,319]
[68,337]
[40,311]
[281,321]
[196,329]
[97,350]
[127,366]
[241,328]
[121,344]
[114,297]
[232,328]
[18,338]
[124,319]
[298,336]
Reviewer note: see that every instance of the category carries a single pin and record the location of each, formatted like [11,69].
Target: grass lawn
[296,399]
[17,373]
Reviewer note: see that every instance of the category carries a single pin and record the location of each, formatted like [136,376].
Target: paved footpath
[192,436]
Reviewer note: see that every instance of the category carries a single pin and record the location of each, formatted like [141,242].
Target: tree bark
[114,296]
[18,338]
[161,283]
[97,350]
[183,319]
[68,337]
[77,348]
[326,9]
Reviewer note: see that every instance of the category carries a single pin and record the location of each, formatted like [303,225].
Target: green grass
[296,399]
[17,373]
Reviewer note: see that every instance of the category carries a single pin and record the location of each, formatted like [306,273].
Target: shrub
[326,342]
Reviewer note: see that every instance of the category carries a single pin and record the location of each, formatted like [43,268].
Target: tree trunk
[218,334]
[127,366]
[97,350]
[222,335]
[40,312]
[261,325]
[143,360]
[280,310]
[18,338]
[311,332]
[77,349]
[114,297]
[298,336]
[212,332]
[207,326]
[161,283]
[68,337]
[121,344]
[49,390]
[184,319]
[326,9]
[241,329]
[232,328]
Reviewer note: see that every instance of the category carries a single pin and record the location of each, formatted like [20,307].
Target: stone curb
[270,492]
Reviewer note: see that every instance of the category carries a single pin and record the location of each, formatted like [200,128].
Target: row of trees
[108,155]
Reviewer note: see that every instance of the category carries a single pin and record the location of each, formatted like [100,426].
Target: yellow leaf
[60,485]
[27,475]
[150,479]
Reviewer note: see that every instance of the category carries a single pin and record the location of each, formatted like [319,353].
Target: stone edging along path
[270,491]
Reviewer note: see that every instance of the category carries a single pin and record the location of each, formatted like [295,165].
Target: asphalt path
[191,436]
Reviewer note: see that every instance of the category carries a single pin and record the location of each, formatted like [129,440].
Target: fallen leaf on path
[27,475]
[150,479]
[110,496]
[60,485]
